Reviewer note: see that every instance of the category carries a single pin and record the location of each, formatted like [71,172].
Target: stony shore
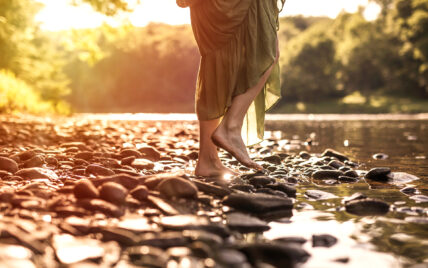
[97,193]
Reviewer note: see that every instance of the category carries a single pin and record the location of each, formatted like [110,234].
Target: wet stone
[126,180]
[380,156]
[101,206]
[146,256]
[142,163]
[319,195]
[243,187]
[257,203]
[127,160]
[290,191]
[274,159]
[8,165]
[333,153]
[140,193]
[401,177]
[150,153]
[113,192]
[35,161]
[351,173]
[355,196]
[324,240]
[326,174]
[368,206]
[291,239]
[192,222]
[378,174]
[259,181]
[231,258]
[130,152]
[419,198]
[84,156]
[85,189]
[244,223]
[37,173]
[98,170]
[347,179]
[177,187]
[164,240]
[336,164]
[211,189]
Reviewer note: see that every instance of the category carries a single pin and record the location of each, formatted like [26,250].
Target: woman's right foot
[208,168]
[231,141]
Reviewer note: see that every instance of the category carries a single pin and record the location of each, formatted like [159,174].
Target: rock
[417,220]
[164,239]
[85,189]
[8,164]
[211,189]
[275,254]
[378,174]
[84,155]
[259,181]
[419,198]
[380,156]
[140,193]
[177,187]
[290,191]
[257,203]
[145,256]
[25,155]
[244,223]
[37,173]
[319,195]
[409,190]
[130,152]
[192,222]
[355,196]
[243,187]
[324,240]
[333,153]
[326,174]
[291,239]
[163,205]
[141,163]
[126,180]
[35,161]
[231,258]
[102,206]
[127,160]
[69,249]
[401,177]
[336,164]
[113,192]
[274,159]
[351,173]
[304,155]
[98,170]
[347,179]
[368,206]
[150,153]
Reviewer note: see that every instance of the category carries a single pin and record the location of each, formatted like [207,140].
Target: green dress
[237,42]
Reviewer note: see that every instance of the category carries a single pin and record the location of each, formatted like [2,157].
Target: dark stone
[113,192]
[35,161]
[304,155]
[150,153]
[347,179]
[275,254]
[231,258]
[211,189]
[244,223]
[291,239]
[324,240]
[25,155]
[84,156]
[130,152]
[8,164]
[378,174]
[98,170]
[351,173]
[164,240]
[259,181]
[140,193]
[336,164]
[380,156]
[333,153]
[355,196]
[102,206]
[326,174]
[290,191]
[243,187]
[409,190]
[85,189]
[127,160]
[177,187]
[192,222]
[257,203]
[368,206]
[163,205]
[126,180]
[274,159]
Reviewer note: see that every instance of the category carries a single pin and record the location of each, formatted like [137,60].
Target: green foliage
[18,96]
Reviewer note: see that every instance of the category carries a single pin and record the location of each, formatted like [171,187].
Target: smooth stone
[211,189]
[8,164]
[366,207]
[25,155]
[113,192]
[37,173]
[130,152]
[14,252]
[146,256]
[142,163]
[409,190]
[177,187]
[35,161]
[140,193]
[164,239]
[244,223]
[304,155]
[417,220]
[102,206]
[378,174]
[291,239]
[127,160]
[275,254]
[326,174]
[333,153]
[98,170]
[274,159]
[380,156]
[84,156]
[290,191]
[324,240]
[419,198]
[336,164]
[355,196]
[150,153]
[163,205]
[231,258]
[257,203]
[347,179]
[319,195]
[258,181]
[69,249]
[243,187]
[85,189]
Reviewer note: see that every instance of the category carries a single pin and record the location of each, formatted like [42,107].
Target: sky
[59,15]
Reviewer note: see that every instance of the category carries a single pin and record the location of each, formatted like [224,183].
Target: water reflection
[382,241]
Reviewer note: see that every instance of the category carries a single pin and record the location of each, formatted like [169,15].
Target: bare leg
[209,164]
[228,134]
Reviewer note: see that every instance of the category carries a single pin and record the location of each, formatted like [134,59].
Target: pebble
[85,189]
[378,174]
[113,192]
[257,203]
[36,173]
[142,163]
[367,206]
[140,193]
[98,170]
[323,240]
[333,153]
[177,187]
[319,195]
[35,161]
[380,156]
[101,206]
[146,256]
[244,223]
[419,198]
[8,164]
[150,153]
[327,174]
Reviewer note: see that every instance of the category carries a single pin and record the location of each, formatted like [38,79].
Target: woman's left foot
[207,168]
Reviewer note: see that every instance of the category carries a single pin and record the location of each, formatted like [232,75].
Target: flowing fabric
[237,42]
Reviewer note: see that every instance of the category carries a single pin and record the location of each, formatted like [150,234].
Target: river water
[391,240]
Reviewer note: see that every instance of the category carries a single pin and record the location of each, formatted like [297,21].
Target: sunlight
[60,15]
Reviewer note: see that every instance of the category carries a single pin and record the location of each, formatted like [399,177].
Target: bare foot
[231,141]
[212,168]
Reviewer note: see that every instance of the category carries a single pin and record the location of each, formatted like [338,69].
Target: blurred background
[337,56]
